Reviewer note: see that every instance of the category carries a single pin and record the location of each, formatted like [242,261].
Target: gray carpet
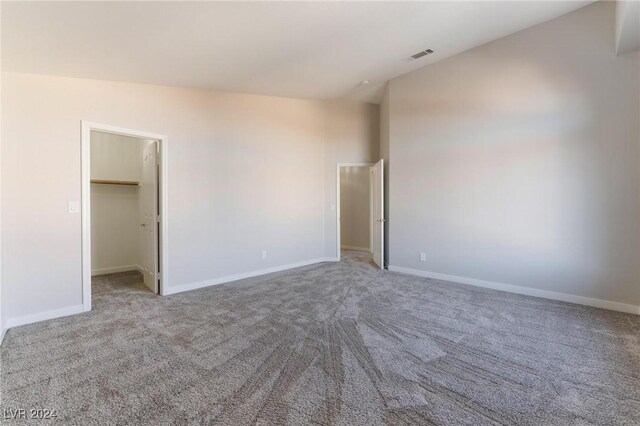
[336,343]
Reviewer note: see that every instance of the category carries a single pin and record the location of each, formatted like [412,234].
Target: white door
[149,216]
[377,239]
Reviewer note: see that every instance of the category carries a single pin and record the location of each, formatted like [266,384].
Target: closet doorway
[123,210]
[354,208]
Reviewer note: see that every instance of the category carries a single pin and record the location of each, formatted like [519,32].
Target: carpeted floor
[335,343]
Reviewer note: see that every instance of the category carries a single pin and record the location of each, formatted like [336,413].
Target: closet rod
[115,182]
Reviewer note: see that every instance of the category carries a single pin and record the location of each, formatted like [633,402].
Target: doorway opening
[359,220]
[123,211]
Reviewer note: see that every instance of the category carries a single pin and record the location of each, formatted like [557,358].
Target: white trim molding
[115,270]
[3,333]
[86,128]
[43,316]
[354,248]
[527,291]
[230,278]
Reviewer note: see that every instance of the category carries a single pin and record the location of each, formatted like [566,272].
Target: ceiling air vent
[420,54]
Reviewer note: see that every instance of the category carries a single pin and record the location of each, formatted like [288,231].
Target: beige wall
[114,228]
[115,157]
[355,208]
[518,162]
[115,217]
[246,174]
[352,130]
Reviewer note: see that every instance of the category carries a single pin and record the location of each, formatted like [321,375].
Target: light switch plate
[74,207]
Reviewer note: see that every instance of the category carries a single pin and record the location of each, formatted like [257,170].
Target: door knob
[143,224]
[382,220]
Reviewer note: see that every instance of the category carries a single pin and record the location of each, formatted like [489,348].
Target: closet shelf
[115,182]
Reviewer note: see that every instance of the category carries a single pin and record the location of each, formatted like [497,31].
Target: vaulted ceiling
[313,50]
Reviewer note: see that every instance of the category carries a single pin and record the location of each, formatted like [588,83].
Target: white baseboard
[236,277]
[527,291]
[355,248]
[72,310]
[115,269]
[3,333]
[43,316]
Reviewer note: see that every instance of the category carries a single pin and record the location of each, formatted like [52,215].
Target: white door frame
[163,239]
[377,195]
[338,166]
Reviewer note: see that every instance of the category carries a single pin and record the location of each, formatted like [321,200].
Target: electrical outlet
[264,254]
[423,257]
